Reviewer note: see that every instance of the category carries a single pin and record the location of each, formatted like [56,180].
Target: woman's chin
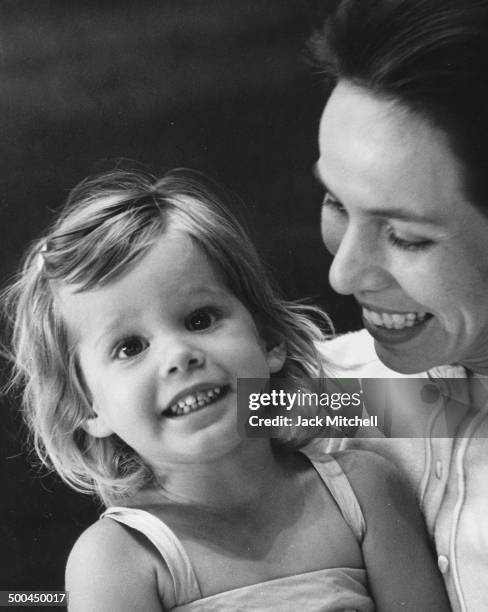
[414,350]
[405,361]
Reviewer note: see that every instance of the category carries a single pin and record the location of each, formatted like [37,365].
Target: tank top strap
[341,490]
[168,545]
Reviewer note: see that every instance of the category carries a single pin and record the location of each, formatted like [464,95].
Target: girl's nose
[358,265]
[181,357]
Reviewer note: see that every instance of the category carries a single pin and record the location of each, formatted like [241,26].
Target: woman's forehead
[374,153]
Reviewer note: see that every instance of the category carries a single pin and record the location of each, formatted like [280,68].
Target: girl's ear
[276,356]
[97,426]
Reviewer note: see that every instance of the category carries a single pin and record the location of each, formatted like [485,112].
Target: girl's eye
[407,245]
[333,203]
[201,319]
[130,347]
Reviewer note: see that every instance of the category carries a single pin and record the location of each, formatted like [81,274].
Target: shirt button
[438,469]
[443,563]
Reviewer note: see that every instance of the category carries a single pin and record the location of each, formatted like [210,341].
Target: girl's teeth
[193,402]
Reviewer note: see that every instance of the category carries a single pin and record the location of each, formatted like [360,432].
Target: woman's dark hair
[430,56]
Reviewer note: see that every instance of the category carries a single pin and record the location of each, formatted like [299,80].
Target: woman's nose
[358,265]
[181,357]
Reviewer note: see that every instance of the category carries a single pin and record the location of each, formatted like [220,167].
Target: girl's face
[161,349]
[407,243]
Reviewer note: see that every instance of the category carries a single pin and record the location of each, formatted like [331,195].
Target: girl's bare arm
[111,569]
[399,558]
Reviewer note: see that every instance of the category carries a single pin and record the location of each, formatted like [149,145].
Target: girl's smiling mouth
[192,400]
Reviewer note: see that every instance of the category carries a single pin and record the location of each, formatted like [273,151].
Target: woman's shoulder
[353,355]
[349,354]
[111,567]
[350,348]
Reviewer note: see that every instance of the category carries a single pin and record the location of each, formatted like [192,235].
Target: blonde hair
[108,223]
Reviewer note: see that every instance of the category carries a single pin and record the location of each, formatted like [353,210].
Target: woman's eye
[333,203]
[201,319]
[408,245]
[130,347]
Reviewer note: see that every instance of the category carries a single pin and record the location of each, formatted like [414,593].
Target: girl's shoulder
[111,567]
[377,483]
[396,548]
[364,462]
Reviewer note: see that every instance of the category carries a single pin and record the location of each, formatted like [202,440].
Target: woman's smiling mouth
[193,401]
[394,327]
[397,320]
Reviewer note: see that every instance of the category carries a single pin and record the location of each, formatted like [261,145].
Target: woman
[404,161]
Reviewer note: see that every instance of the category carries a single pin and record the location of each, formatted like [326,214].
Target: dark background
[223,86]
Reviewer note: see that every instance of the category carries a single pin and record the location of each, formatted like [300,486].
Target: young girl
[133,317]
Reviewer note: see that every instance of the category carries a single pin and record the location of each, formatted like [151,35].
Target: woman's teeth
[193,401]
[394,320]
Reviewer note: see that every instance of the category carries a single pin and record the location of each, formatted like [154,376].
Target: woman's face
[407,243]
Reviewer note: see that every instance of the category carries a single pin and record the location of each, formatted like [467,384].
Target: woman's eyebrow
[391,212]
[402,215]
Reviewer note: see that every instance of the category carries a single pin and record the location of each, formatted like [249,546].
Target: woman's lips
[394,327]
